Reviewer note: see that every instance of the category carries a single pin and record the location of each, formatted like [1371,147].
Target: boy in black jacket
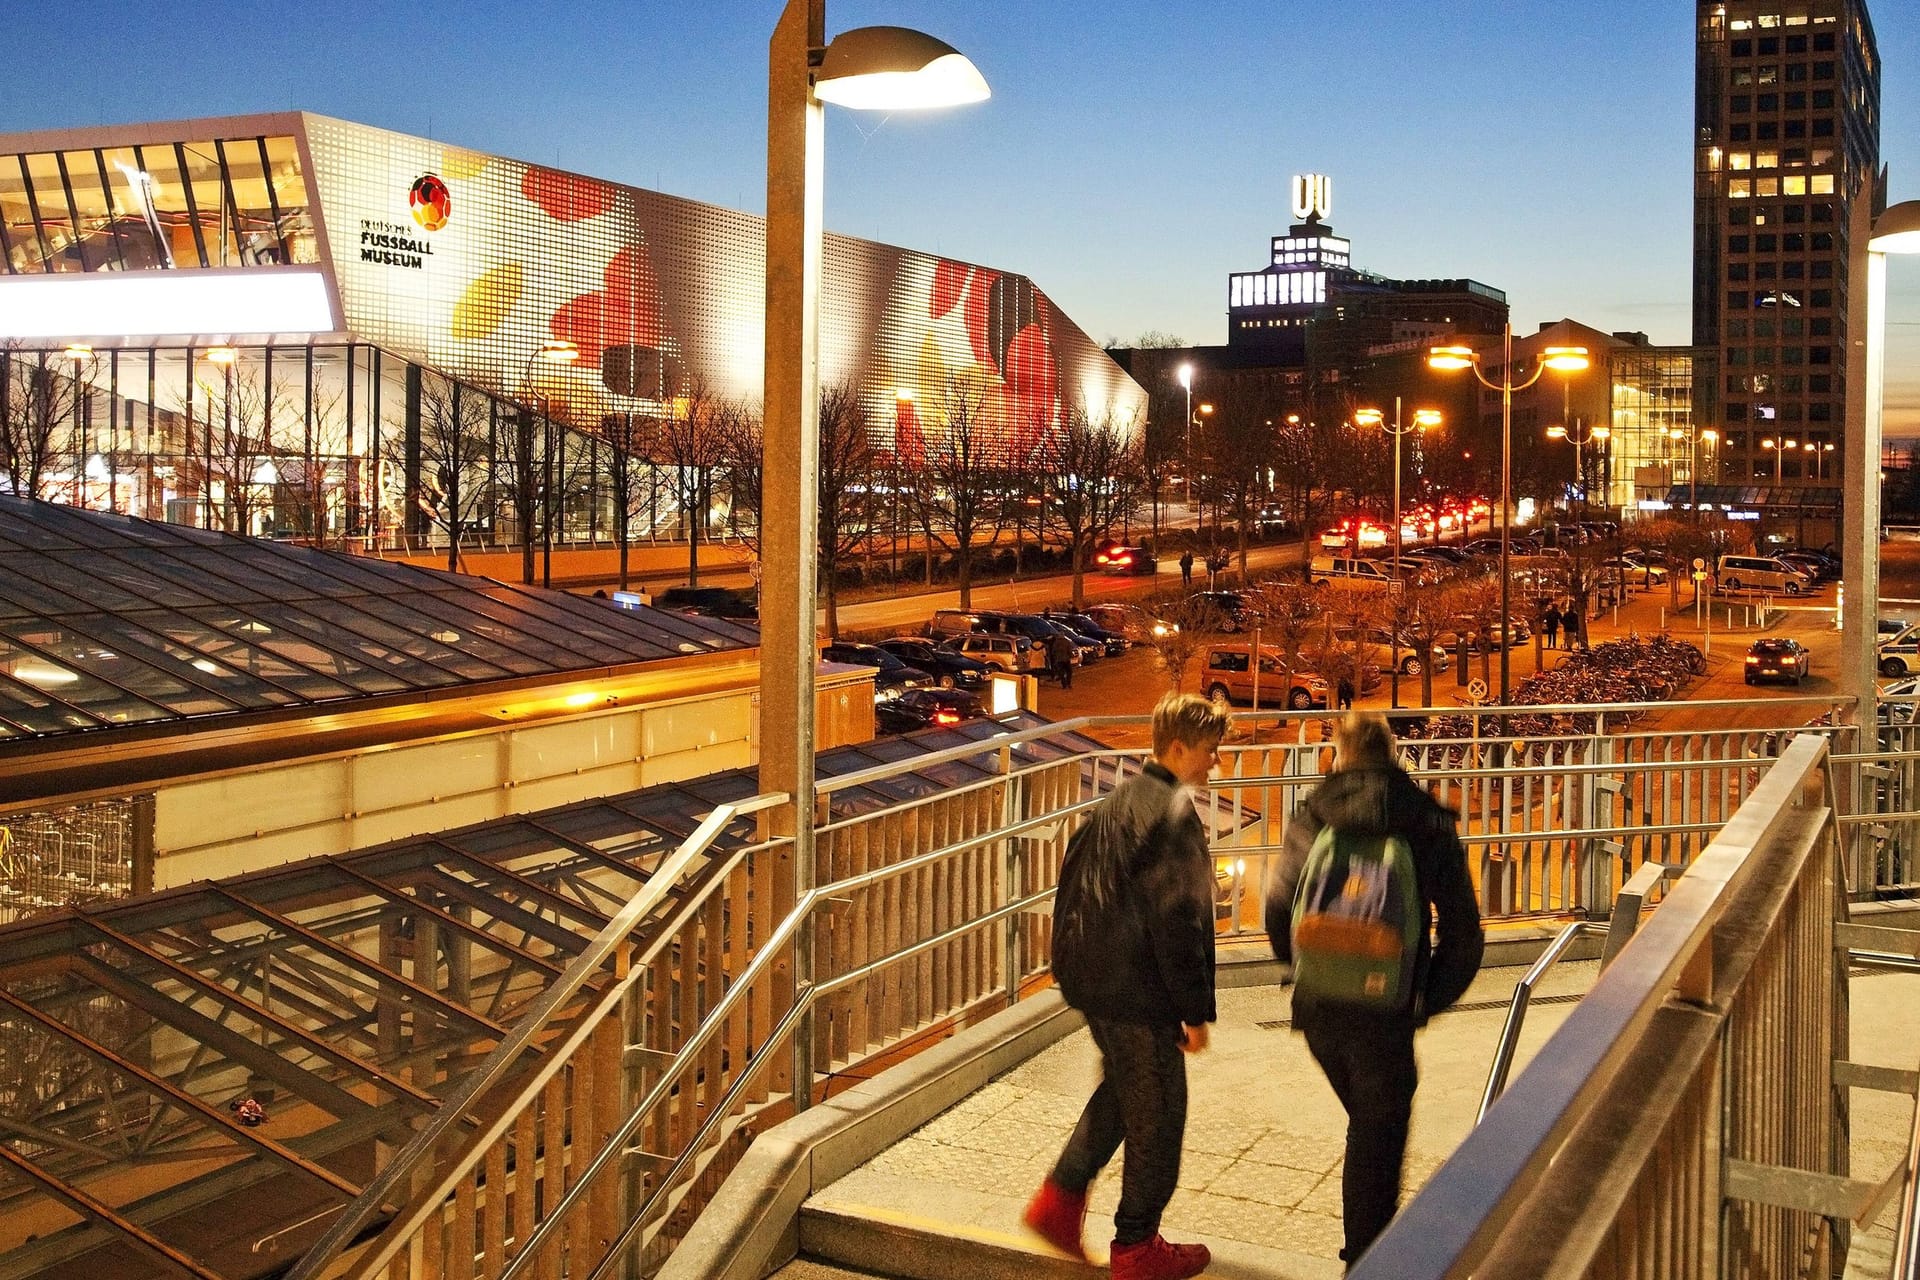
[1367,1054]
[1133,950]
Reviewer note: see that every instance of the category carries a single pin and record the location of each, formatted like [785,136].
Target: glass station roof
[107,620]
[130,1031]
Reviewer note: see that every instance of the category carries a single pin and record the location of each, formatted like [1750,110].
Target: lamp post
[1423,420]
[225,357]
[1694,439]
[1203,410]
[1897,230]
[1185,374]
[871,68]
[1561,359]
[1777,444]
[80,353]
[1819,454]
[550,351]
[1581,437]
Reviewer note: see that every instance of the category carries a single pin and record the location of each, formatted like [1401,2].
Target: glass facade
[1788,130]
[234,202]
[1658,439]
[424,414]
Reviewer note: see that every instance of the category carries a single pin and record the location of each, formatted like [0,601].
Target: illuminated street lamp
[870,68]
[1896,230]
[225,357]
[1818,459]
[80,354]
[1423,420]
[1581,438]
[1777,443]
[1202,410]
[550,351]
[1185,374]
[1559,359]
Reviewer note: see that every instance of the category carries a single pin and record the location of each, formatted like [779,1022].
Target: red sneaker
[1156,1259]
[1058,1214]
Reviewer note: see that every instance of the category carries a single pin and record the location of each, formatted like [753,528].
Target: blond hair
[1187,718]
[1362,740]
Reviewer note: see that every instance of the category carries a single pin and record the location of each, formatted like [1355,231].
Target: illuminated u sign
[1312,196]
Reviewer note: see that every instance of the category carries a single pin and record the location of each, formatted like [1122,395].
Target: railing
[1685,1119]
[677,1038]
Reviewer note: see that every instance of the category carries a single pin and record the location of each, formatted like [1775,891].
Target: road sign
[1699,563]
[1477,689]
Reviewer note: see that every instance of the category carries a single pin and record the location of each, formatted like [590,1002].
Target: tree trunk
[691,490]
[833,605]
[966,570]
[1079,573]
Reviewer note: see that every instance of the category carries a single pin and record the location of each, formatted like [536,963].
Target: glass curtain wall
[340,445]
[1654,445]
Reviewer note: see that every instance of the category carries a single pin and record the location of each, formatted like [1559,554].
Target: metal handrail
[1623,924]
[1443,1231]
[500,1060]
[1906,1237]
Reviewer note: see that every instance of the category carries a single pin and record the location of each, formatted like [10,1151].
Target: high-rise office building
[1787,132]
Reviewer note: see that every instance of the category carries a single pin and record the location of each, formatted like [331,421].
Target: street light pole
[1422,419]
[871,68]
[1186,470]
[1562,359]
[552,351]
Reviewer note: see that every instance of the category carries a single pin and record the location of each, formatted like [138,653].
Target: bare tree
[628,437]
[1093,468]
[1189,623]
[455,465]
[319,470]
[691,442]
[955,490]
[38,398]
[1313,457]
[239,410]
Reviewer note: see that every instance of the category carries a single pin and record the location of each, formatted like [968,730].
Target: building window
[1823,71]
[1796,72]
[1822,298]
[1736,244]
[1739,188]
[1765,243]
[1766,75]
[1740,102]
[1822,185]
[1796,101]
[1793,271]
[1823,128]
[1744,48]
[1820,383]
[1796,44]
[1794,242]
[1766,102]
[1796,129]
[1820,355]
[1823,99]
[1736,271]
[1823,42]
[1737,300]
[1769,44]
[1820,326]
[1736,328]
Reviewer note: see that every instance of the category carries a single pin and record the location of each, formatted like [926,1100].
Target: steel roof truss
[400,898]
[97,1211]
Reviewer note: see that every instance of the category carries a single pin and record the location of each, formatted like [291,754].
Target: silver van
[1352,570]
[1759,573]
[948,623]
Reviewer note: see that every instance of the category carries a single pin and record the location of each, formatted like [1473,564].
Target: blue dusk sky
[1133,154]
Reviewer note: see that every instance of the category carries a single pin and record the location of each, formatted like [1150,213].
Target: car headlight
[886,694]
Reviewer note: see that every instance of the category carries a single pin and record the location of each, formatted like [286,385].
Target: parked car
[950,670]
[1376,648]
[1039,631]
[1776,658]
[1273,522]
[1123,559]
[1899,654]
[1130,620]
[1451,557]
[926,709]
[894,676]
[1760,573]
[1116,642]
[1227,674]
[1518,632]
[1009,653]
[1352,571]
[710,602]
[1635,571]
[947,623]
[1233,609]
[1815,567]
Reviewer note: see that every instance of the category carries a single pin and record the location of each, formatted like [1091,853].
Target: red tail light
[1122,560]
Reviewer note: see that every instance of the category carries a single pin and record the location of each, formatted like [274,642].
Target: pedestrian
[1371,966]
[1574,623]
[1216,565]
[1060,658]
[1186,567]
[1343,692]
[1133,951]
[1550,624]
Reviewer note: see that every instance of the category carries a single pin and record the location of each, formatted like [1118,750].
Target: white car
[1636,572]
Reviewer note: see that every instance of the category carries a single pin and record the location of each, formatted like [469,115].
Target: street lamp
[225,357]
[1777,444]
[1896,230]
[870,68]
[1694,439]
[80,353]
[1581,438]
[1185,374]
[1203,410]
[1561,359]
[1423,420]
[550,351]
[1819,459]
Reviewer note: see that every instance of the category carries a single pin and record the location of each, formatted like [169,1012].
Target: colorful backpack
[1357,920]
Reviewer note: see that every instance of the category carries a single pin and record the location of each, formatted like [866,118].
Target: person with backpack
[1133,951]
[1371,904]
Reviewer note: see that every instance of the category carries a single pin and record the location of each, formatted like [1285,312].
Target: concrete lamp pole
[1186,469]
[1581,437]
[550,351]
[1563,359]
[1895,231]
[1423,420]
[869,68]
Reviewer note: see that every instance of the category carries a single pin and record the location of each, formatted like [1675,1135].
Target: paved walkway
[1260,1180]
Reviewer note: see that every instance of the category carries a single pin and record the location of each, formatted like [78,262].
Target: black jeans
[1142,1100]
[1371,1069]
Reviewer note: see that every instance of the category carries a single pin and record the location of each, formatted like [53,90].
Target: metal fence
[1685,1120]
[585,1142]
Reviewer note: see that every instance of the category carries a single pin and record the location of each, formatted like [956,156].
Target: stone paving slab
[1260,1177]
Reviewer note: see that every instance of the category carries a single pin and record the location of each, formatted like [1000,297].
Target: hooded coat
[1133,916]
[1384,800]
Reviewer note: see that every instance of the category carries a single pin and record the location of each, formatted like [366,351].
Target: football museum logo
[390,244]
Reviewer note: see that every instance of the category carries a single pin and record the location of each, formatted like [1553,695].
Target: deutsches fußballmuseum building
[293,325]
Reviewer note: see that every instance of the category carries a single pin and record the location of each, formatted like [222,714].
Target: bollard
[1663,617]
